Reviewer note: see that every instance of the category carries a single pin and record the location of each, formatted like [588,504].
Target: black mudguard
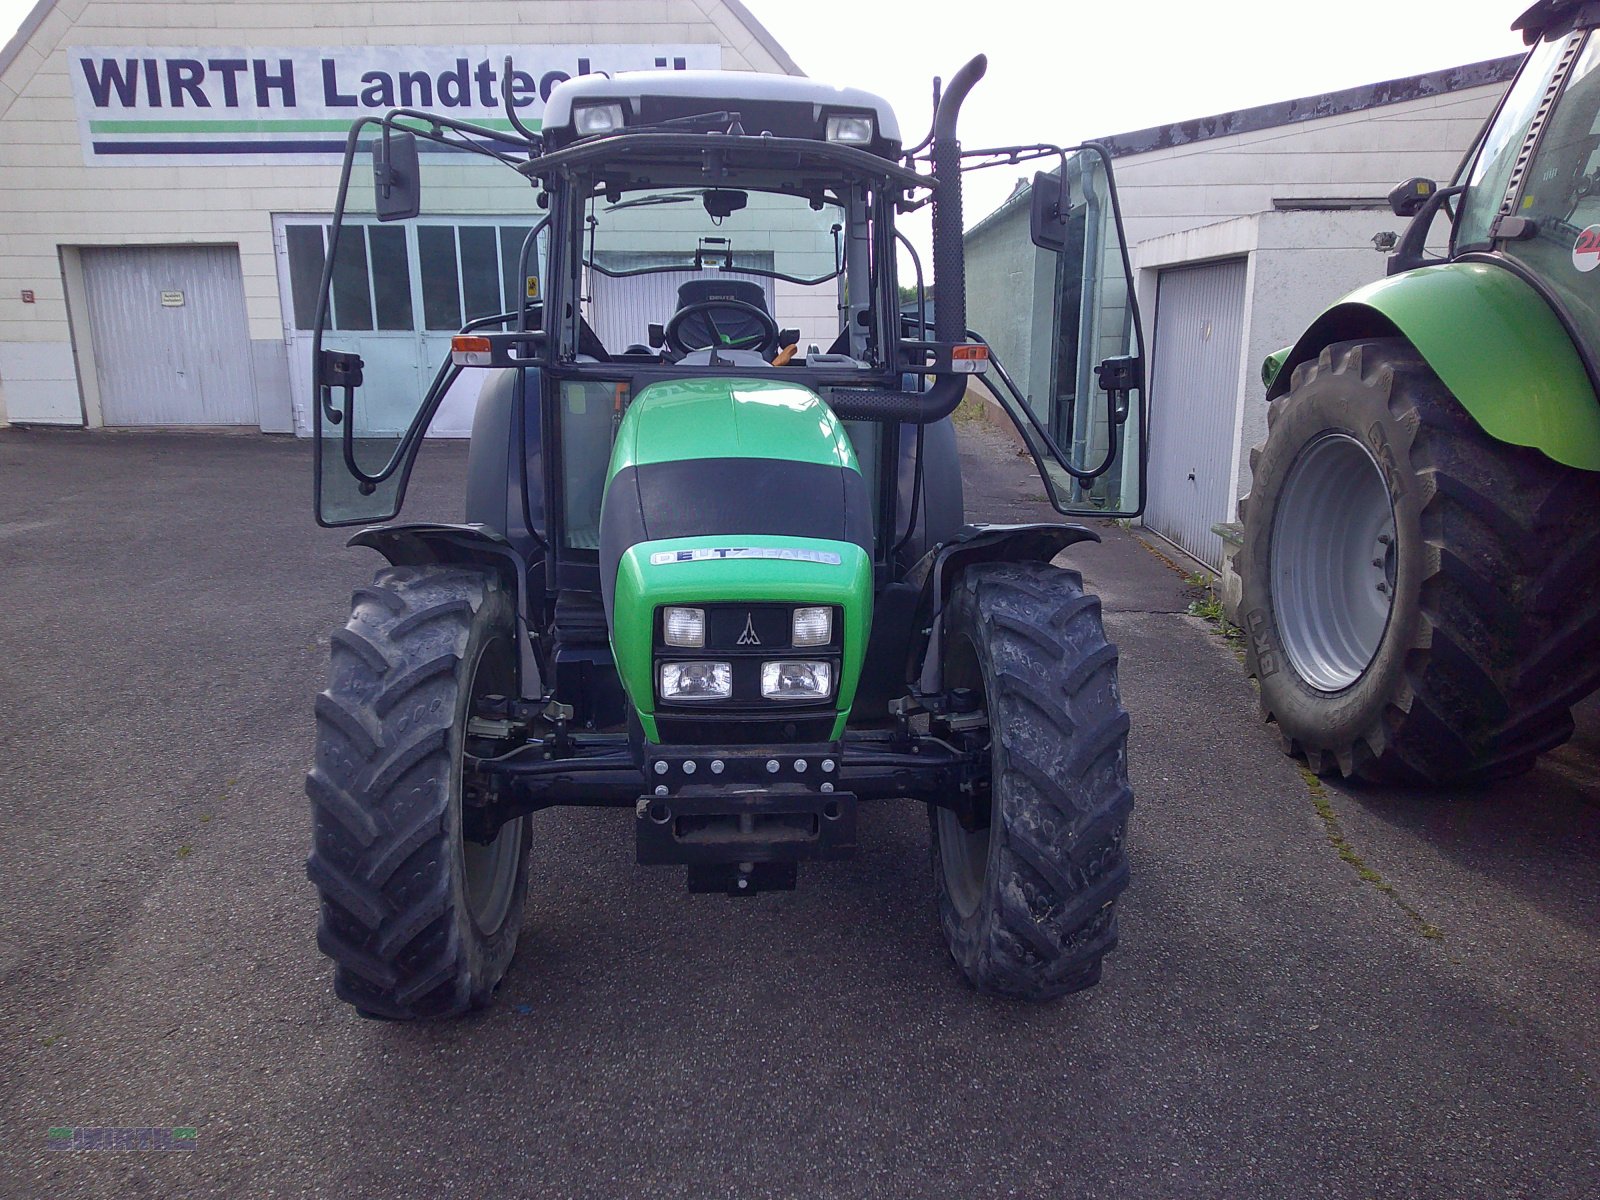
[939,569]
[427,544]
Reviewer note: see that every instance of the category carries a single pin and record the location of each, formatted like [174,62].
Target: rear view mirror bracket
[396,176]
[1050,208]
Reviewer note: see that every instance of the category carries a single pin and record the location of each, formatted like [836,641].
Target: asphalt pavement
[1319,993]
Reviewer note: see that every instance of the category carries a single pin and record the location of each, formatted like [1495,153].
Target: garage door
[1194,400]
[171,345]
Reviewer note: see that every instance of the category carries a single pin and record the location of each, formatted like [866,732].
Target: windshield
[649,254]
[1561,197]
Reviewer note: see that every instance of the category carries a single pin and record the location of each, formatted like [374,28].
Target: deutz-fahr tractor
[1421,550]
[715,570]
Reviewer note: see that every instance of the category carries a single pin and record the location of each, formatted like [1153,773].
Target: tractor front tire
[1419,598]
[419,920]
[1027,898]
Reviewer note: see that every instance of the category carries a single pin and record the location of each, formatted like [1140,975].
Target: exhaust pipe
[949,273]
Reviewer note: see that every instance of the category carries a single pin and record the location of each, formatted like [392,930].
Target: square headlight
[589,120]
[684,627]
[851,130]
[696,681]
[797,680]
[812,627]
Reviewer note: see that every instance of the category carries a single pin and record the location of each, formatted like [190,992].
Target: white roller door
[1194,404]
[171,343]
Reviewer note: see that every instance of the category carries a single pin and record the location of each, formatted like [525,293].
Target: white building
[1243,227]
[166,170]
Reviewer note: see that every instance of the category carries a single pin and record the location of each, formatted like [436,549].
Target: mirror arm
[1412,250]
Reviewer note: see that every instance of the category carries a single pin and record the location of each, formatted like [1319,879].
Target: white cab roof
[724,87]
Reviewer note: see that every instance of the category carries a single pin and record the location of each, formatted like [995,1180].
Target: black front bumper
[712,806]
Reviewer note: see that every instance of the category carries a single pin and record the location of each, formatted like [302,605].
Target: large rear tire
[1419,598]
[419,920]
[1027,897]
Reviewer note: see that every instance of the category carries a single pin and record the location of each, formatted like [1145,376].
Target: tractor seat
[698,291]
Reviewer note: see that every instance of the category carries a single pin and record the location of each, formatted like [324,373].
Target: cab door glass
[396,293]
[1491,170]
[1561,198]
[1086,439]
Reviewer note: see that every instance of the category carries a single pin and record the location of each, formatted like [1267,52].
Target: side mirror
[721,202]
[1407,199]
[1051,206]
[396,179]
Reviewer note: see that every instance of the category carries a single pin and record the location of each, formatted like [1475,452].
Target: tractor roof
[1553,18]
[783,105]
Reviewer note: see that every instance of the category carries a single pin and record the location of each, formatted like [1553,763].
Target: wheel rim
[963,853]
[1333,561]
[489,870]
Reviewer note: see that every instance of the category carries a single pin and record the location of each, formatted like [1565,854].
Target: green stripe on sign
[265,125]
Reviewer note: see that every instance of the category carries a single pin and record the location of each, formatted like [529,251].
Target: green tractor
[1420,563]
[715,569]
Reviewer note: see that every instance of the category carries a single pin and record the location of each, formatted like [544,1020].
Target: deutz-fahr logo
[787,553]
[748,637]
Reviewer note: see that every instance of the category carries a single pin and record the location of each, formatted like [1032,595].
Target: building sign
[143,105]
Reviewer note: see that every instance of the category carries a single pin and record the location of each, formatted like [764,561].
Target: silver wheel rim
[1333,562]
[489,870]
[964,856]
[490,875]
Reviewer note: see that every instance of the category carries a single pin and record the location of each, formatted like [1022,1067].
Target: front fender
[428,544]
[939,569]
[1492,340]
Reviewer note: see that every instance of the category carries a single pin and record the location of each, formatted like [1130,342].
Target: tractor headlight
[684,627]
[696,681]
[591,119]
[812,627]
[797,680]
[852,130]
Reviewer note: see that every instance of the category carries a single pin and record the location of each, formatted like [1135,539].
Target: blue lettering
[282,82]
[152,84]
[548,82]
[183,79]
[455,87]
[330,87]
[230,69]
[122,77]
[523,89]
[379,92]
[416,89]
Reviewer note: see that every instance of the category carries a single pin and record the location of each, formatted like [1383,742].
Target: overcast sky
[1066,71]
[1062,70]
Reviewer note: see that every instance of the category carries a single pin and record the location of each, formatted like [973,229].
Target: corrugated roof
[1288,112]
[1314,108]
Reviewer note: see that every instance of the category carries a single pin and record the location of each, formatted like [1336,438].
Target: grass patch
[1207,605]
[970,409]
[1347,853]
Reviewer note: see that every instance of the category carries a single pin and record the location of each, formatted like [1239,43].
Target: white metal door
[420,282]
[1194,403]
[171,343]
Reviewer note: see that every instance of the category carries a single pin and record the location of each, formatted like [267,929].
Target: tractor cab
[715,567]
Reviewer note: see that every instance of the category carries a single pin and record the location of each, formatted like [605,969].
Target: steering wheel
[742,326]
